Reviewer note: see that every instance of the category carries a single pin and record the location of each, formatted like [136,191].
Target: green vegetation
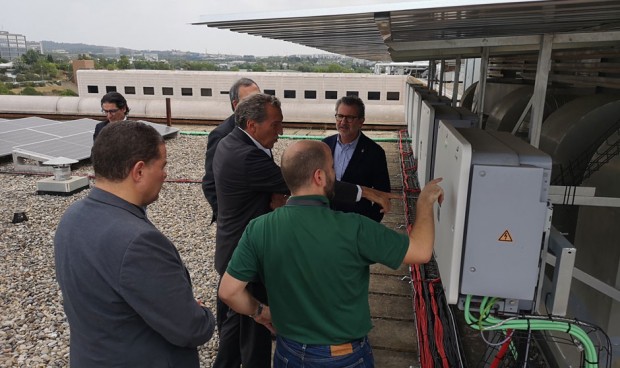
[5,89]
[30,91]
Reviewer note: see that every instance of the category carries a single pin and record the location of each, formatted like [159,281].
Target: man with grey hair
[246,178]
[126,293]
[241,89]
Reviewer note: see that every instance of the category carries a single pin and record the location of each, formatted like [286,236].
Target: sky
[154,24]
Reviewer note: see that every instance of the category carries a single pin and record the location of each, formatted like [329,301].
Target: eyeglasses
[111,111]
[341,117]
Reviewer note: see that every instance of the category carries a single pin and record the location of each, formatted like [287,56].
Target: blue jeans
[291,354]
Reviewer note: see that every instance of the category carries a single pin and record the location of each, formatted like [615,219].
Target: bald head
[301,160]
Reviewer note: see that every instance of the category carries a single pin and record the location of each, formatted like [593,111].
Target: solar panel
[24,123]
[37,137]
[76,147]
[164,130]
[21,137]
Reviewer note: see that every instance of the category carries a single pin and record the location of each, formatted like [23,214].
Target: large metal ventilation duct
[495,92]
[598,252]
[572,133]
[506,113]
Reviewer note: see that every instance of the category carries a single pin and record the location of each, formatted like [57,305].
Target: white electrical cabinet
[489,229]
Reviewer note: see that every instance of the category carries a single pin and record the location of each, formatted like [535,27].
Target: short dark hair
[234,90]
[120,145]
[254,108]
[117,99]
[299,165]
[353,101]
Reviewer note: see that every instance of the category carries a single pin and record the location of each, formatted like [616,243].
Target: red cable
[502,351]
[419,306]
[438,327]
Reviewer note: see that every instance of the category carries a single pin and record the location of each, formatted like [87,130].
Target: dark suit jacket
[368,167]
[98,128]
[208,182]
[126,293]
[245,179]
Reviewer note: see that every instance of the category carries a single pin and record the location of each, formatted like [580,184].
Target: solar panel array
[71,139]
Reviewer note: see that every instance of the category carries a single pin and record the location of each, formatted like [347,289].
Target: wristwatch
[259,310]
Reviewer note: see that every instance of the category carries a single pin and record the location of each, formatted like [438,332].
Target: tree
[124,63]
[259,67]
[4,89]
[31,57]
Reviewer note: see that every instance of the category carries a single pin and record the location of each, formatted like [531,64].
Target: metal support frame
[591,281]
[580,196]
[32,162]
[523,115]
[543,257]
[456,82]
[471,72]
[442,74]
[431,74]
[565,254]
[540,88]
[482,85]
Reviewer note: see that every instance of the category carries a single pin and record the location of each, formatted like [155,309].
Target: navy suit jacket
[208,181]
[368,167]
[98,128]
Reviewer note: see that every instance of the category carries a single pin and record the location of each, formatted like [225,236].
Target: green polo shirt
[315,264]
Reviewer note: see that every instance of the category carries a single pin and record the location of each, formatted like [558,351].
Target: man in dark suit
[115,108]
[246,178]
[242,88]
[126,293]
[357,159]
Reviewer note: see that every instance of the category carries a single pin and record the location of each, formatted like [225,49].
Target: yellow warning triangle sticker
[506,237]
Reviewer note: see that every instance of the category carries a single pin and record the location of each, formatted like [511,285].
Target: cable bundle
[527,326]
[437,340]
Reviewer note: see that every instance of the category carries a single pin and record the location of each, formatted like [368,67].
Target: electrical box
[431,113]
[489,232]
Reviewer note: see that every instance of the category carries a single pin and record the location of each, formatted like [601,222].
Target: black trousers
[242,341]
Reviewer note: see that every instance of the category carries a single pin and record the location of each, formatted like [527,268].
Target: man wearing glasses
[115,108]
[357,159]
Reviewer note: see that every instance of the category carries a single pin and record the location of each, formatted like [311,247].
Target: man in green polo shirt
[315,264]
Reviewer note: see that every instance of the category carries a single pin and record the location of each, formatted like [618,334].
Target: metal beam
[560,40]
[482,86]
[580,196]
[564,265]
[456,83]
[540,89]
[442,74]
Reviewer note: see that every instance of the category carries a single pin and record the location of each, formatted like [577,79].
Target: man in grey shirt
[126,293]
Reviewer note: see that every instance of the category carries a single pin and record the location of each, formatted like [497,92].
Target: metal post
[431,74]
[540,88]
[442,74]
[457,77]
[482,85]
[168,112]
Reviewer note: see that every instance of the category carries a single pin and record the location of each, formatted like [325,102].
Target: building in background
[110,52]
[80,65]
[34,45]
[12,46]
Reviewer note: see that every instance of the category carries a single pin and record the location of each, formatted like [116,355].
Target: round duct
[571,134]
